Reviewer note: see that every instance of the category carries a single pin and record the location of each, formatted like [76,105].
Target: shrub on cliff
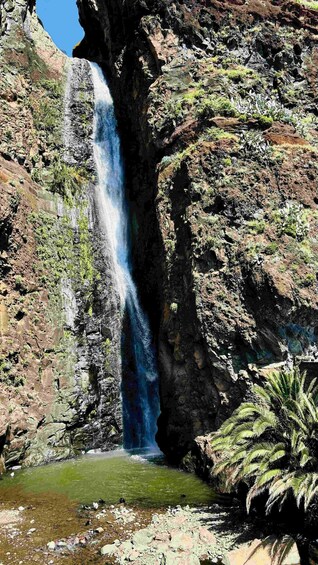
[66,180]
[271,443]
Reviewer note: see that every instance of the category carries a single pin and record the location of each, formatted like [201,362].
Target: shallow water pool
[141,480]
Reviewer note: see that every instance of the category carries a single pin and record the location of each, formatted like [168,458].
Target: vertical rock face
[59,321]
[95,317]
[218,110]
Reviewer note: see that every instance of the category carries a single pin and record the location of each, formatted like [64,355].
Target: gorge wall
[60,337]
[217,109]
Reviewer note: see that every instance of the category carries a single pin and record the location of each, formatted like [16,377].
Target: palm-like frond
[271,444]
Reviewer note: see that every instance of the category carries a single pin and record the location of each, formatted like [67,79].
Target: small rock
[126,547]
[179,520]
[162,536]
[99,530]
[61,544]
[133,555]
[181,541]
[108,549]
[51,545]
[206,536]
[142,538]
[95,505]
[21,508]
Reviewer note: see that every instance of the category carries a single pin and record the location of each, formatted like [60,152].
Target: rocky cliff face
[60,342]
[218,109]
[217,106]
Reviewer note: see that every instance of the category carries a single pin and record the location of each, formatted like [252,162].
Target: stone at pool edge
[108,549]
[142,539]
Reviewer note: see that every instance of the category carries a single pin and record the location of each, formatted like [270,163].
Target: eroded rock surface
[59,322]
[218,110]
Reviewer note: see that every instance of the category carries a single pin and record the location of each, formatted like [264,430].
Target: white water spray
[140,376]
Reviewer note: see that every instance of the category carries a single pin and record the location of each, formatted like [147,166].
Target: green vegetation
[215,106]
[36,66]
[65,180]
[254,146]
[64,254]
[271,443]
[57,259]
[292,220]
[7,374]
[271,248]
[238,74]
[256,226]
[47,116]
[217,134]
[86,269]
[53,87]
[308,280]
[308,4]
[179,157]
[263,109]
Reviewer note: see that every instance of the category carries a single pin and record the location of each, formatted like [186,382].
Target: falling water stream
[140,377]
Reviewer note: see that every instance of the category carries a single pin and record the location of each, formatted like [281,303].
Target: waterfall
[140,395]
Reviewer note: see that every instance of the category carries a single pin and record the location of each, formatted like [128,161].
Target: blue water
[140,394]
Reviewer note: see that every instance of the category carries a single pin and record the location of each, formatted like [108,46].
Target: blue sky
[60,19]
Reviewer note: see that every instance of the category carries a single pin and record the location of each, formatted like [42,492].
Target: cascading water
[140,377]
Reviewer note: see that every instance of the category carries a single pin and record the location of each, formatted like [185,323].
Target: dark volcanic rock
[217,104]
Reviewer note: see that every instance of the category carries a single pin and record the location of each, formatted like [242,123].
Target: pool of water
[143,480]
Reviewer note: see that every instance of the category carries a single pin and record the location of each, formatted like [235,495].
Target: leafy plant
[47,116]
[217,134]
[65,179]
[271,443]
[271,248]
[54,87]
[264,109]
[253,145]
[256,226]
[292,220]
[211,106]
